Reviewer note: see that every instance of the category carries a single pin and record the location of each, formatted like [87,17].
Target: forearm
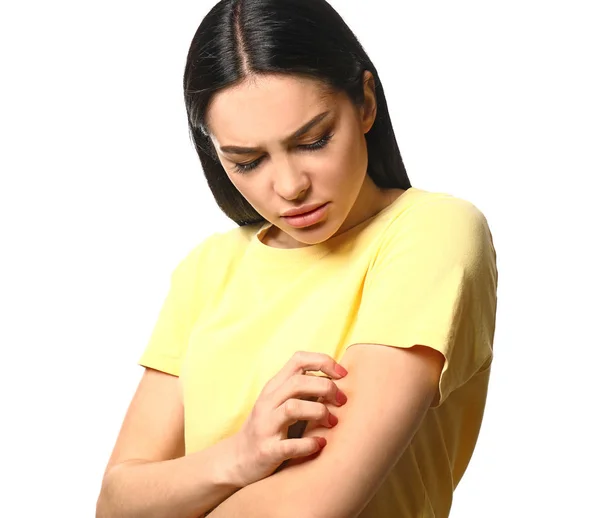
[186,487]
[267,498]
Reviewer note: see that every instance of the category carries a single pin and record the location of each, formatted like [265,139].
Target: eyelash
[315,146]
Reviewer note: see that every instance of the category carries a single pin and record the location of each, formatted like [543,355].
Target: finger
[303,361]
[294,410]
[307,388]
[295,448]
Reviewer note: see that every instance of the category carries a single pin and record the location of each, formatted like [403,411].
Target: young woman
[330,356]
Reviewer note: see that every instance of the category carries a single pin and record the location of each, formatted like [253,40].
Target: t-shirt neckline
[282,256]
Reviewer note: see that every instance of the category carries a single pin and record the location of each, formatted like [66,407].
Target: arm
[148,475]
[183,487]
[431,292]
[391,389]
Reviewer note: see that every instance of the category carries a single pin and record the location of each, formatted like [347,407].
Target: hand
[262,443]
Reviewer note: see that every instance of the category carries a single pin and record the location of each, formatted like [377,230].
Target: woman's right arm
[148,474]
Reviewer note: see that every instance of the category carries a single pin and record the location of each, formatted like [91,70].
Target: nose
[288,180]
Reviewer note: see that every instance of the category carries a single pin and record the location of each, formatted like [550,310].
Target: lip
[308,218]
[302,210]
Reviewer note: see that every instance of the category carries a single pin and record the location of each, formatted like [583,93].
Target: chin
[315,234]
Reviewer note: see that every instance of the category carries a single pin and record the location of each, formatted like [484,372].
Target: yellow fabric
[422,271]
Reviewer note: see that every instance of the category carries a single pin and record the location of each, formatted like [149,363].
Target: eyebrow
[238,150]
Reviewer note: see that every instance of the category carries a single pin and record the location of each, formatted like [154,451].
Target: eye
[244,168]
[319,144]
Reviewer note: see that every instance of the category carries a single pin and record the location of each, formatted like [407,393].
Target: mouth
[302,210]
[308,218]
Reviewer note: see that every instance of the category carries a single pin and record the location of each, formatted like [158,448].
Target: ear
[369,108]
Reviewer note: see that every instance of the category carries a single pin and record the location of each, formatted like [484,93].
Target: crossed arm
[389,389]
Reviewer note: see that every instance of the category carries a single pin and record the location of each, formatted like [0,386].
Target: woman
[329,364]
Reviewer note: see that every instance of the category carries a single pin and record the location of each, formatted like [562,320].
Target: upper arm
[152,429]
[389,391]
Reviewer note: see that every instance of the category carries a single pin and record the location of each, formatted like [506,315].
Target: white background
[101,194]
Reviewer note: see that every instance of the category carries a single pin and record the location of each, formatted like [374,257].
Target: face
[286,142]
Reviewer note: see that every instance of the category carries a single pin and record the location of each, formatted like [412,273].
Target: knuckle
[286,449]
[299,357]
[290,408]
[329,386]
[264,450]
[323,411]
[333,388]
[297,382]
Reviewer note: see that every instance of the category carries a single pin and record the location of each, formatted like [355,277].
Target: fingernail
[333,420]
[340,370]
[341,398]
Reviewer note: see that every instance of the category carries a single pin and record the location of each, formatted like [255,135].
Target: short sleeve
[169,338]
[433,282]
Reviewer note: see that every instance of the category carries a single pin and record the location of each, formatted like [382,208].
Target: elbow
[102,508]
[105,507]
[101,511]
[109,503]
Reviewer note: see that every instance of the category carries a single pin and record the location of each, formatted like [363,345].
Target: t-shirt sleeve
[169,338]
[433,282]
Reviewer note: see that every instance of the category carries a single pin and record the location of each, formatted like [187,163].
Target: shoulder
[437,206]
[440,216]
[434,230]
[217,247]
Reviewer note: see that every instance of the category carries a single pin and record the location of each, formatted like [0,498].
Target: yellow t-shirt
[421,271]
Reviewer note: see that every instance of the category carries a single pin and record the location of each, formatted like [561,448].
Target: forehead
[266,108]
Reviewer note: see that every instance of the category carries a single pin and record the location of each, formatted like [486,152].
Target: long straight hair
[308,38]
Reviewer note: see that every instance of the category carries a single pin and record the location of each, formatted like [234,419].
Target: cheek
[351,158]
[252,190]
[242,186]
[238,180]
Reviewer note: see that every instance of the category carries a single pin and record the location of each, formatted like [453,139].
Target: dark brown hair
[239,38]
